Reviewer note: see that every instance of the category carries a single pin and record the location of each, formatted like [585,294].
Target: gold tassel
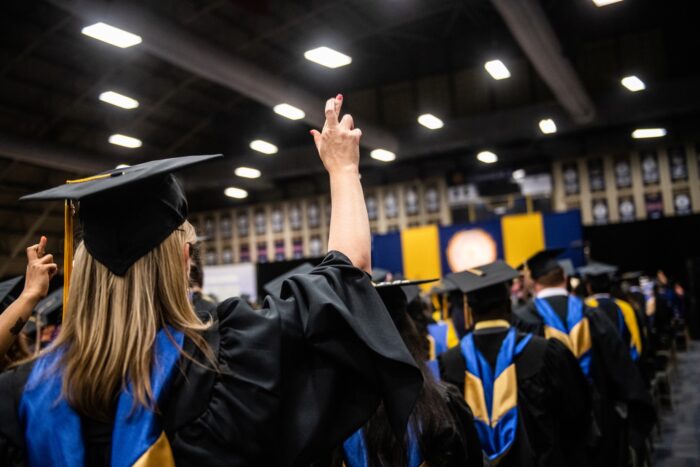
[67,252]
[444,307]
[468,322]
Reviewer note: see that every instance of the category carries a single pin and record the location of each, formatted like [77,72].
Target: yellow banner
[420,247]
[523,236]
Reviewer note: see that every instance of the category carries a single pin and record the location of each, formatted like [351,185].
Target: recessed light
[289,111]
[263,147]
[111,35]
[547,126]
[120,100]
[382,155]
[125,141]
[519,174]
[497,69]
[641,133]
[633,83]
[123,166]
[430,121]
[237,193]
[327,57]
[247,172]
[487,157]
[600,3]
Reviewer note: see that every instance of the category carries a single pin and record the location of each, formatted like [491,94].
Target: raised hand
[40,270]
[338,143]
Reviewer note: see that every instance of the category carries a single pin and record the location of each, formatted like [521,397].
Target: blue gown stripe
[439,333]
[355,450]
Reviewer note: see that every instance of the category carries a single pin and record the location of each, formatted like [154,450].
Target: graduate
[441,429]
[440,328]
[528,395]
[599,284]
[135,377]
[204,304]
[622,408]
[9,291]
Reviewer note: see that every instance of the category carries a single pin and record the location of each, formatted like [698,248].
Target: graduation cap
[8,291]
[124,212]
[598,270]
[567,266]
[396,295]
[408,287]
[542,262]
[274,287]
[632,275]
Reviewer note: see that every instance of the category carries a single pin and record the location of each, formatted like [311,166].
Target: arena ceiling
[208,72]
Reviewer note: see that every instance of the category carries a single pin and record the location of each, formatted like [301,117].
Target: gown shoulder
[11,434]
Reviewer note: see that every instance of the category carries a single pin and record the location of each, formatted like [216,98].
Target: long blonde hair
[111,322]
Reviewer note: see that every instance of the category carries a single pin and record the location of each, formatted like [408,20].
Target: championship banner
[432,251]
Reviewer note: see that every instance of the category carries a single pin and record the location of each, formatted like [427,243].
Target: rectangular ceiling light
[547,126]
[237,193]
[600,3]
[633,83]
[382,155]
[641,133]
[247,172]
[430,121]
[263,147]
[125,141]
[111,35]
[497,69]
[120,100]
[289,111]
[327,57]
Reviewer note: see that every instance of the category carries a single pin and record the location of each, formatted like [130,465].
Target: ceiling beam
[179,47]
[532,30]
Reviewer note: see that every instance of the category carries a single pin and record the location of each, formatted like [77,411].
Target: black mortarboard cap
[567,266]
[396,295]
[274,287]
[474,279]
[409,288]
[49,309]
[597,269]
[543,262]
[632,275]
[9,290]
[127,212]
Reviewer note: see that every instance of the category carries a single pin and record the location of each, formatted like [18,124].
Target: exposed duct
[531,28]
[184,50]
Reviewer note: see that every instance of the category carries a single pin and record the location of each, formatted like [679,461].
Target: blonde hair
[111,322]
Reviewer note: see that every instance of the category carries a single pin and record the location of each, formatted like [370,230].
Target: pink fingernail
[339,97]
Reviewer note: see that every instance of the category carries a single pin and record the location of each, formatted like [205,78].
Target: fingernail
[339,97]
[311,132]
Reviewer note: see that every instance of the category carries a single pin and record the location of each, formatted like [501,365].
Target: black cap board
[274,287]
[478,278]
[597,269]
[9,290]
[542,262]
[127,212]
[48,310]
[632,275]
[567,266]
[408,287]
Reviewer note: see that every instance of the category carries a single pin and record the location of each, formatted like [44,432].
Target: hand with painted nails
[338,143]
[40,270]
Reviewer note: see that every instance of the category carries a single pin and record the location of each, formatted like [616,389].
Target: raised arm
[338,146]
[40,270]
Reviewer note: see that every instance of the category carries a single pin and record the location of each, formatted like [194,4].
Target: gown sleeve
[298,376]
[11,434]
[469,446]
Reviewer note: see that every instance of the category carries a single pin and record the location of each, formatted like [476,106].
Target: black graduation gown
[203,305]
[616,384]
[553,401]
[296,378]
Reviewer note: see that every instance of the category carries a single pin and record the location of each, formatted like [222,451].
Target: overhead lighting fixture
[263,147]
[382,155]
[487,157]
[237,193]
[518,174]
[641,133]
[247,172]
[123,166]
[497,69]
[289,111]
[430,121]
[633,83]
[600,3]
[327,57]
[111,35]
[125,141]
[547,126]
[120,100]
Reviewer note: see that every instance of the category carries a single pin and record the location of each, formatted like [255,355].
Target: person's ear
[187,252]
